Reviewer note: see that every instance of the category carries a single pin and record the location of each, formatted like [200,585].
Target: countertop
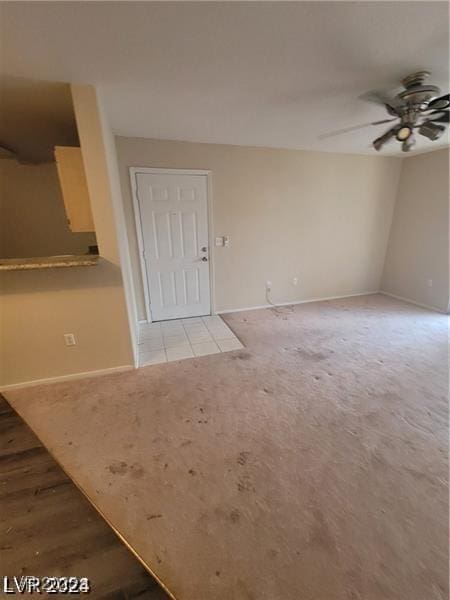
[48,262]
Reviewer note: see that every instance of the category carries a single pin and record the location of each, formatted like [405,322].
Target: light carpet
[311,465]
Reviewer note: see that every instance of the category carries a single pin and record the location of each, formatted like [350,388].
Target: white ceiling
[253,73]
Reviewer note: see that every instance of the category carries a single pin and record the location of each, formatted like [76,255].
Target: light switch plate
[219,241]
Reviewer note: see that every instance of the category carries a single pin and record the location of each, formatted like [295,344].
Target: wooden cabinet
[72,179]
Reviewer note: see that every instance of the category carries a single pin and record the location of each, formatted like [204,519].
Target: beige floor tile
[152,357]
[151,344]
[231,344]
[204,348]
[179,352]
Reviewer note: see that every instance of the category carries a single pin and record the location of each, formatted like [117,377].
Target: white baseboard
[410,301]
[294,302]
[72,376]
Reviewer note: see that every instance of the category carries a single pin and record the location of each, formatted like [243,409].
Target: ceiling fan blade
[382,99]
[439,103]
[324,136]
[383,121]
[383,139]
[441,116]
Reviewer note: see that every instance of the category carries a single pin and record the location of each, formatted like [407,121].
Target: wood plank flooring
[47,527]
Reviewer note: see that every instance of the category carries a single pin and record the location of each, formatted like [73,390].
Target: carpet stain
[137,471]
[307,354]
[241,356]
[121,468]
[320,536]
[118,468]
[235,515]
[244,484]
[242,458]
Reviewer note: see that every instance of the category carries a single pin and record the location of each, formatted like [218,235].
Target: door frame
[134,171]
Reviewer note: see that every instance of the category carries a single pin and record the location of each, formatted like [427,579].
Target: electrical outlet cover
[69,338]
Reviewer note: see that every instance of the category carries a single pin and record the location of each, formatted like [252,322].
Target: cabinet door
[72,179]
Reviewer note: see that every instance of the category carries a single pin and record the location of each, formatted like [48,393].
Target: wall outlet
[268,286]
[429,282]
[70,340]
[295,281]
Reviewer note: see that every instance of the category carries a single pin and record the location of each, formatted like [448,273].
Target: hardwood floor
[47,527]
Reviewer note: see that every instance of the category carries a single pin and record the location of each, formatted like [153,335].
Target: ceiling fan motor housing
[416,78]
[420,94]
[416,91]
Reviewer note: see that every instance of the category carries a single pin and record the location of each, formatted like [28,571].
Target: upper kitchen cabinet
[72,179]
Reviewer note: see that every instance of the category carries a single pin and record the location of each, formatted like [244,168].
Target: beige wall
[38,307]
[323,218]
[121,229]
[418,248]
[33,220]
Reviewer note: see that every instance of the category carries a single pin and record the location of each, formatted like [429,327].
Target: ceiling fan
[417,107]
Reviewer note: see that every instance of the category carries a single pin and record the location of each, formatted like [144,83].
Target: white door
[174,221]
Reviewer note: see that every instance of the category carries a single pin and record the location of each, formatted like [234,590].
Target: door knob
[204,259]
[204,249]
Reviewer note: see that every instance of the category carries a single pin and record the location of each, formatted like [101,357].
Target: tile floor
[166,341]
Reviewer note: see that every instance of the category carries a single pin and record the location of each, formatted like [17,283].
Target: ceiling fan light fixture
[408,143]
[403,133]
[431,130]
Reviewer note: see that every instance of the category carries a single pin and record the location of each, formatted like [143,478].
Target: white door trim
[134,171]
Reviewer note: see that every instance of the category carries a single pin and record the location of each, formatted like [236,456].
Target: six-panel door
[174,221]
